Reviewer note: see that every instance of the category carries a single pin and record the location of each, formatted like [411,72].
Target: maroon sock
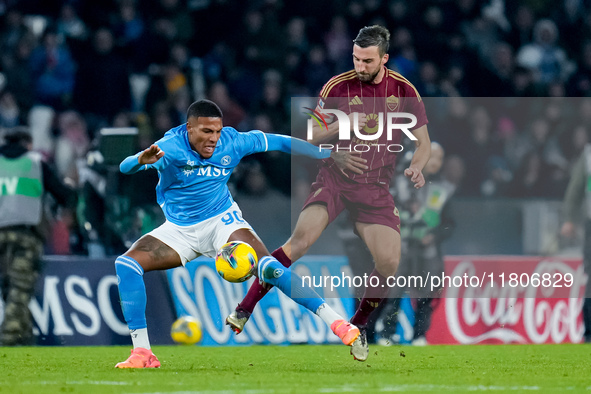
[372,297]
[257,291]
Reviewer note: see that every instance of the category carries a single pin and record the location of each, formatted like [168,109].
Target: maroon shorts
[367,203]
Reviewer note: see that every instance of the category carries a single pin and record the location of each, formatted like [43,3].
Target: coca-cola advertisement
[518,300]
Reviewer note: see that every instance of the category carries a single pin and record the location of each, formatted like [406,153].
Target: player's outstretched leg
[384,244]
[272,272]
[132,292]
[238,318]
[311,222]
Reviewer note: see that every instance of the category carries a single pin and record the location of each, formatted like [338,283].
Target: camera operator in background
[24,178]
[425,224]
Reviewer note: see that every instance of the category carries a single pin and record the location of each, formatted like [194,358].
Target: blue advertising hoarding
[198,290]
[76,303]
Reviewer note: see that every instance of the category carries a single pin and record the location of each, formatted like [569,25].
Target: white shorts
[204,238]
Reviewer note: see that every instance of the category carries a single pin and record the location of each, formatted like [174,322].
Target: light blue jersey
[193,189]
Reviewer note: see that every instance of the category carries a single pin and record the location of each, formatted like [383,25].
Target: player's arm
[420,157]
[321,134]
[141,160]
[297,146]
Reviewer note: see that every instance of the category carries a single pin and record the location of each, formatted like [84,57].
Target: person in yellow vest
[24,178]
[577,205]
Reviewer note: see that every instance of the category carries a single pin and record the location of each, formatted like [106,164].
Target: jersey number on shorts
[230,218]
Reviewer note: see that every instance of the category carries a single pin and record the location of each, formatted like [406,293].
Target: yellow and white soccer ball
[186,330]
[236,261]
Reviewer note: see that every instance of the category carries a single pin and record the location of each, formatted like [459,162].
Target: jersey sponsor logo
[212,171]
[226,160]
[188,169]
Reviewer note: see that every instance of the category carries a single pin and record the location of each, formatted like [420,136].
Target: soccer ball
[235,261]
[186,330]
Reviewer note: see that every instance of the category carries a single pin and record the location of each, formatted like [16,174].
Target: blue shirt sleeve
[256,141]
[130,164]
[296,146]
[251,142]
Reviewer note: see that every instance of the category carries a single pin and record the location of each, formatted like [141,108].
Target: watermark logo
[318,118]
[345,124]
[372,131]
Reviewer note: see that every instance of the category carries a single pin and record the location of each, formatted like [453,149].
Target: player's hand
[361,120]
[416,176]
[349,161]
[150,155]
[568,230]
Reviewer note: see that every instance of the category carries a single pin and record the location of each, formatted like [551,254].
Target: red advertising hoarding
[518,300]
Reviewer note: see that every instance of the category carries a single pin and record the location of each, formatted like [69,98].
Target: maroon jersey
[393,94]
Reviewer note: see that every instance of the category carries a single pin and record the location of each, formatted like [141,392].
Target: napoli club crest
[226,160]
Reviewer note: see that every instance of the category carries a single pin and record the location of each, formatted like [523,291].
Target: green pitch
[299,369]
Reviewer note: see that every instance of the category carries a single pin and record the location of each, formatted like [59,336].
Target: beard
[368,78]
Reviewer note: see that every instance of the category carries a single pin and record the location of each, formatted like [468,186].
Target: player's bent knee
[388,267]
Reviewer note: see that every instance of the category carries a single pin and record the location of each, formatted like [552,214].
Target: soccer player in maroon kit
[368,90]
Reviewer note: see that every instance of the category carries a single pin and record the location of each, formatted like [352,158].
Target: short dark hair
[19,135]
[375,35]
[206,108]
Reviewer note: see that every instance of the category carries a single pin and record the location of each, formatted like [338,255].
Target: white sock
[328,314]
[140,338]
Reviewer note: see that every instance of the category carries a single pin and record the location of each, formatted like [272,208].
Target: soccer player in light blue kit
[194,162]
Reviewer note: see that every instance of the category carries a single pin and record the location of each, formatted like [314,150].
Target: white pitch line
[337,389]
[96,382]
[101,382]
[389,388]
[433,387]
[214,392]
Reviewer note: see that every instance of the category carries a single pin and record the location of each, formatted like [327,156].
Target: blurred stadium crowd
[70,68]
